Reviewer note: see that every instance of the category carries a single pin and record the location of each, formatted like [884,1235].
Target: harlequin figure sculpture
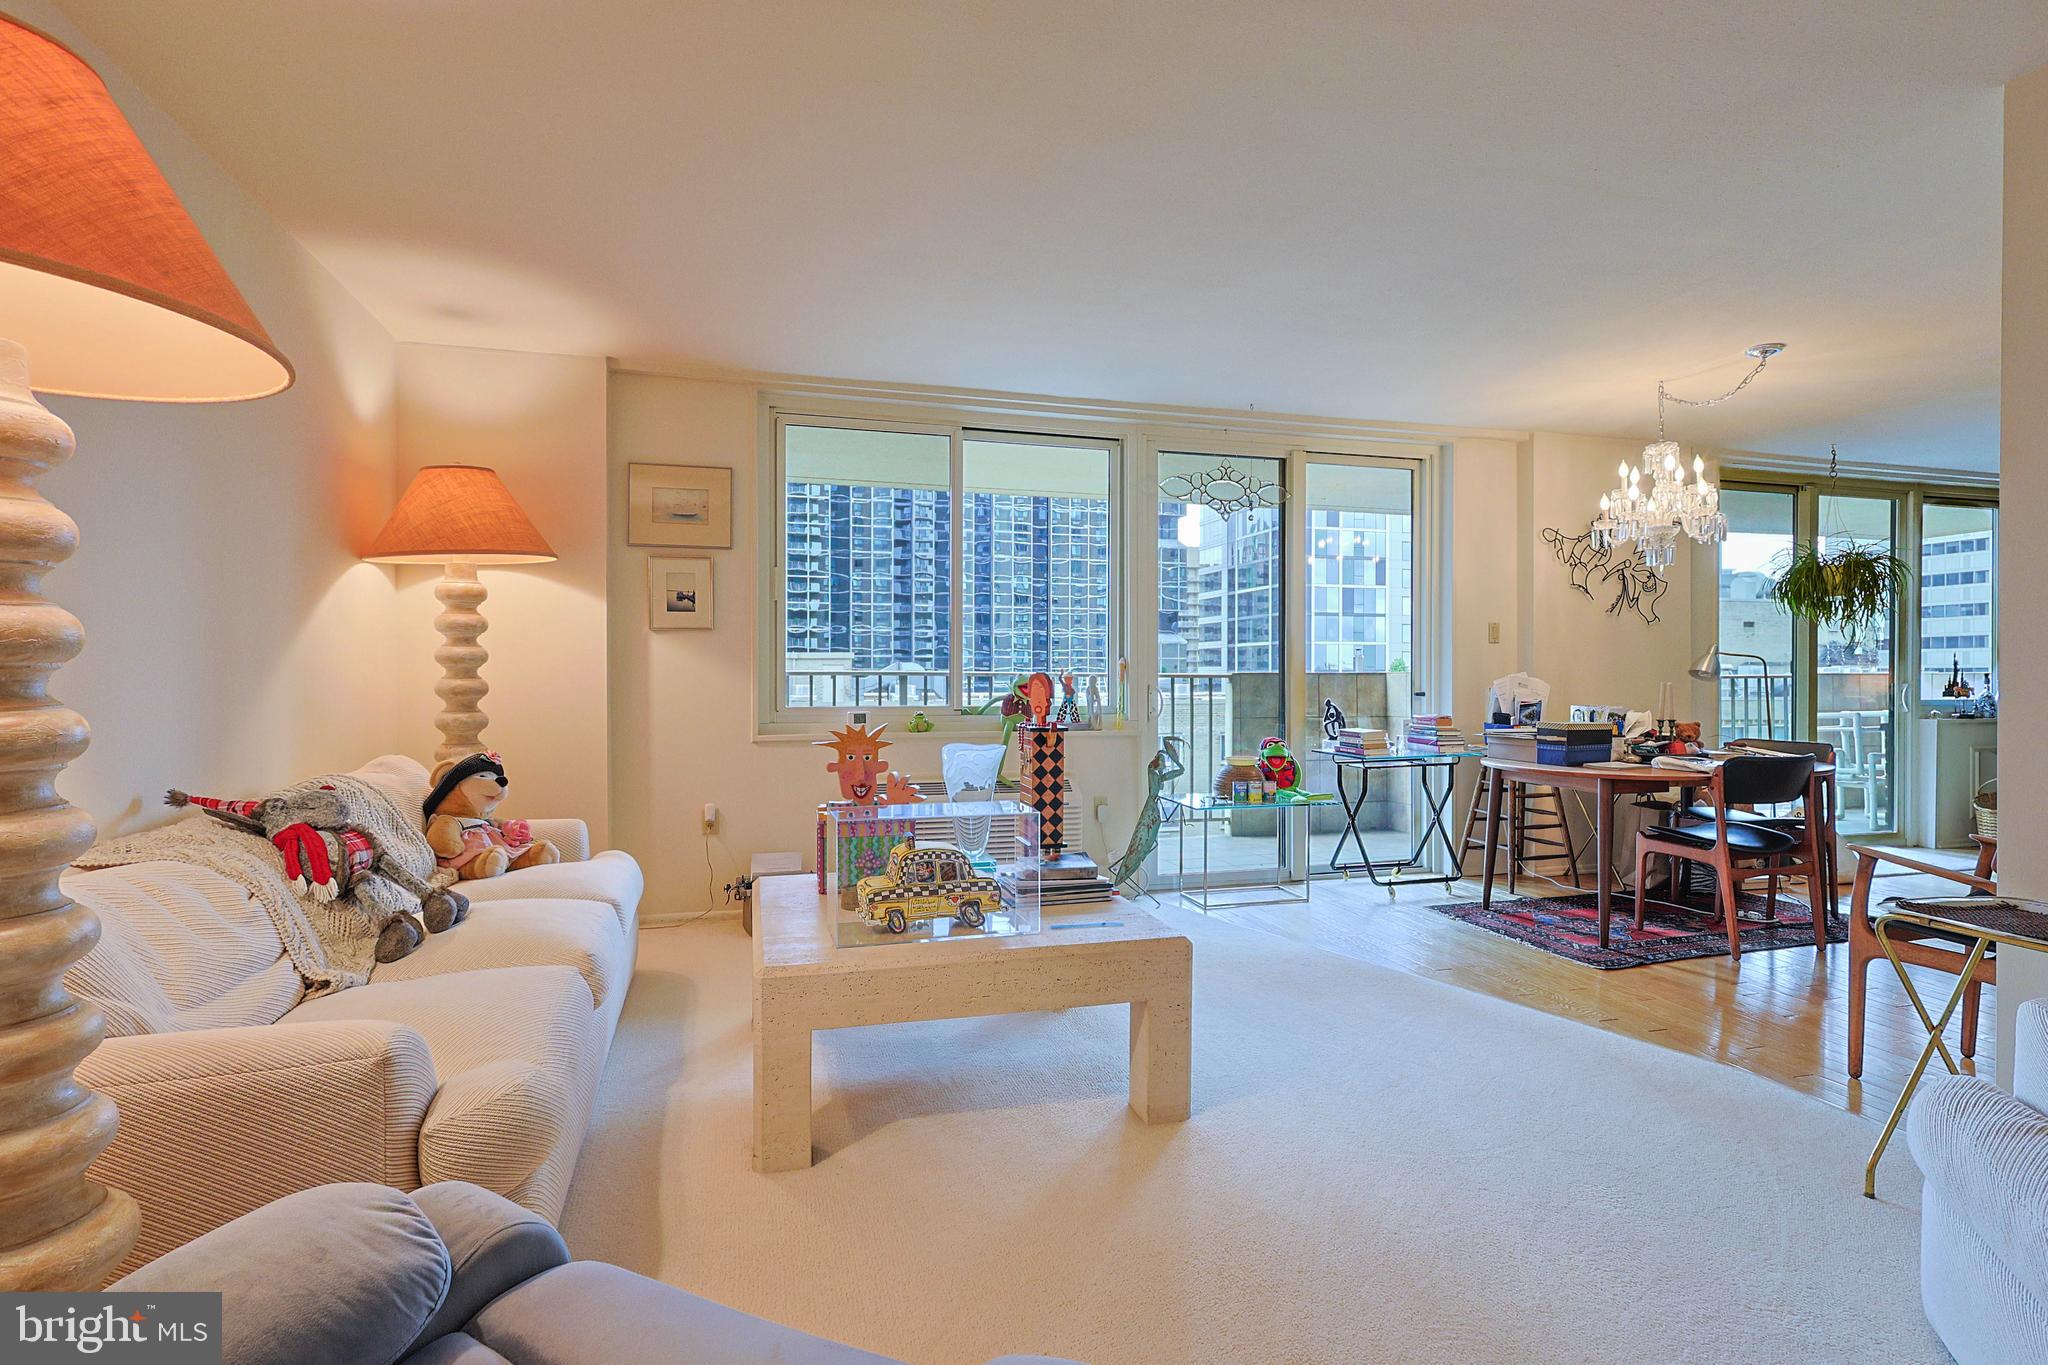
[1277,765]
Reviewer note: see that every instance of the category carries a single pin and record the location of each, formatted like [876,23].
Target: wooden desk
[1603,785]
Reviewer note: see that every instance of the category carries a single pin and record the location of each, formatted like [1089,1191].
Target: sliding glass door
[1359,622]
[1933,653]
[1222,652]
[1266,613]
[1856,705]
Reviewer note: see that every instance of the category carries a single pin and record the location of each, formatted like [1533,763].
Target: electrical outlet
[1493,632]
[710,817]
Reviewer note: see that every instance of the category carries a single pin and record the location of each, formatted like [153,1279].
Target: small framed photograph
[686,506]
[679,593]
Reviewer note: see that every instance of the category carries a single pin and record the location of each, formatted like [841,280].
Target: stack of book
[1434,732]
[1355,742]
[1067,882]
[1511,743]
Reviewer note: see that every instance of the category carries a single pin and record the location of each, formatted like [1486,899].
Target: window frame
[1909,499]
[775,716]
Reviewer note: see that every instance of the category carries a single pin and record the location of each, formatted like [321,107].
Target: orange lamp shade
[458,513]
[103,276]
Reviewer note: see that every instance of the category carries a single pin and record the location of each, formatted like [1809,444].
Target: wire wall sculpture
[1224,489]
[1634,584]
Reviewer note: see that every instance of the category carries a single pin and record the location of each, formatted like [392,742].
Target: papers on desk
[1518,697]
[1683,764]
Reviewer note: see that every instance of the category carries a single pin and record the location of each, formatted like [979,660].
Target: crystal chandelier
[1655,517]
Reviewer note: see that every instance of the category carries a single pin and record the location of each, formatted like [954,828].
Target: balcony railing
[1747,699]
[922,688]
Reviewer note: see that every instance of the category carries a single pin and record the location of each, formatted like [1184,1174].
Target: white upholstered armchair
[1984,1208]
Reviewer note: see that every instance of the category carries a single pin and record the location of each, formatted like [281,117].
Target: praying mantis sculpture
[1165,766]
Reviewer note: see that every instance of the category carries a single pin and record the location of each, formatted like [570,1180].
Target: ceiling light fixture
[1654,518]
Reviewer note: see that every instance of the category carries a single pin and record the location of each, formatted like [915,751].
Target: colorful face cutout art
[858,763]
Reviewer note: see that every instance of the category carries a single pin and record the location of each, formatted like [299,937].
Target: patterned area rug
[1569,926]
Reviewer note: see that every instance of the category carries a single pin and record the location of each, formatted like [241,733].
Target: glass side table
[1396,872]
[1202,809]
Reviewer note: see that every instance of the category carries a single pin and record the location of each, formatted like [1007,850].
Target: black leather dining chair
[1734,845]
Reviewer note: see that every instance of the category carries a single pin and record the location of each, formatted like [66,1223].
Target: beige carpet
[1379,1168]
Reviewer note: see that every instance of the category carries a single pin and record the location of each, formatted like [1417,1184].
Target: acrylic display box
[930,870]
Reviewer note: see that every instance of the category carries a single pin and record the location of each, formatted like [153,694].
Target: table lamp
[107,284]
[459,516]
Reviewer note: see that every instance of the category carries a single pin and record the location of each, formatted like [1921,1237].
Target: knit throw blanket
[332,944]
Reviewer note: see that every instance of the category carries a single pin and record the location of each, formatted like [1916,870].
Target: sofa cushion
[405,778]
[584,935]
[181,947]
[518,1050]
[493,1244]
[335,1275]
[457,1348]
[591,1311]
[612,877]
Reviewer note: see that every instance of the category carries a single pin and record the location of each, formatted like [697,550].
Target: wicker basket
[1984,809]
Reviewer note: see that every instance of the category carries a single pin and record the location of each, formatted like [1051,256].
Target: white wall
[539,420]
[1587,654]
[2023,543]
[232,638]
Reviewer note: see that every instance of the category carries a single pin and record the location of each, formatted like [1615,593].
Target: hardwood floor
[1782,1015]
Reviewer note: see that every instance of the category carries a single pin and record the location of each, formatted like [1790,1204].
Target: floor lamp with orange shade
[108,289]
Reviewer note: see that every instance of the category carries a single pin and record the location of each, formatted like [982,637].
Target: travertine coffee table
[804,981]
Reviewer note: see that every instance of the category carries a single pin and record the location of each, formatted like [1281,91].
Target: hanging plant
[1849,586]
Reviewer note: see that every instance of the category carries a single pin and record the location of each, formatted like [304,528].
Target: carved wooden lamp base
[461,656]
[111,286]
[58,1230]
[459,516]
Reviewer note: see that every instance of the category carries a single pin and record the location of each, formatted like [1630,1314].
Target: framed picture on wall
[679,592]
[686,506]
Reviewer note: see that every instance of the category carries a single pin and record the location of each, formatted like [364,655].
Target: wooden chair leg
[1771,897]
[1972,998]
[1473,820]
[1571,849]
[1643,856]
[1724,877]
[1517,796]
[1859,986]
[1820,885]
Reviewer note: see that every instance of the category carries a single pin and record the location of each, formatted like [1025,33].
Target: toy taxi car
[933,882]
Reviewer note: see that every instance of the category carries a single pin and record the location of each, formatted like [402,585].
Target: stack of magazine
[1066,882]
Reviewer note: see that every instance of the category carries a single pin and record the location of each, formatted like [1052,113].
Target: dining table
[1603,782]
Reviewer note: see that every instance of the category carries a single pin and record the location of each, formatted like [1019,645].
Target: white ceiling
[1468,212]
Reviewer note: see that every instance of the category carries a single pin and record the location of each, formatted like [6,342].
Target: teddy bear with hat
[463,829]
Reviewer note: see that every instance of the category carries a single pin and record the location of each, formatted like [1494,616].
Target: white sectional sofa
[1984,1206]
[476,1058]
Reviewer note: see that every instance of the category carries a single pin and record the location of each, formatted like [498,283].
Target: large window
[1755,632]
[1958,602]
[1857,691]
[926,567]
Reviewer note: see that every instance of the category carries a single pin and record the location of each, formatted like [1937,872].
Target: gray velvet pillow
[335,1275]
[493,1244]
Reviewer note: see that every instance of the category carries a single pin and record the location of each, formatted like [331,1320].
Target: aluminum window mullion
[956,680]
